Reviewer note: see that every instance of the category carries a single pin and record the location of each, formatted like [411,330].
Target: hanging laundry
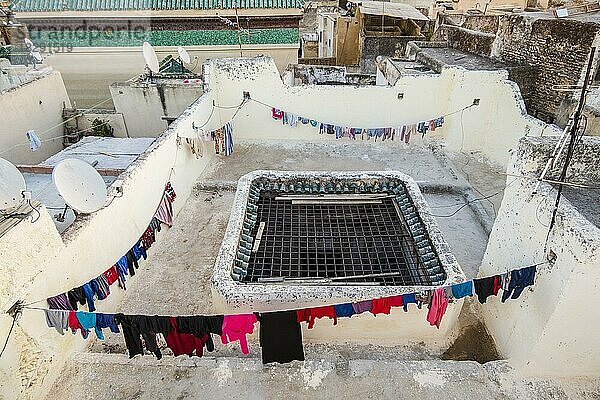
[338,132]
[87,321]
[344,310]
[136,326]
[185,343]
[407,299]
[432,125]
[486,287]
[59,302]
[276,113]
[384,305]
[155,225]
[200,326]
[111,275]
[75,325]
[101,287]
[164,213]
[519,280]
[219,139]
[228,139]
[311,314]
[106,321]
[463,289]
[148,237]
[313,123]
[131,262]
[439,122]
[76,296]
[304,120]
[196,146]
[170,192]
[34,141]
[362,306]
[58,319]
[437,307]
[89,296]
[235,327]
[139,251]
[280,337]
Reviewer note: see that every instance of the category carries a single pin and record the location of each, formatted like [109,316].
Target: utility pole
[573,138]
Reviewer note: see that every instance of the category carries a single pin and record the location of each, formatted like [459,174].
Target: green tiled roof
[201,37]
[114,5]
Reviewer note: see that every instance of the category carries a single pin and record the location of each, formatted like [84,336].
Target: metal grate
[334,240]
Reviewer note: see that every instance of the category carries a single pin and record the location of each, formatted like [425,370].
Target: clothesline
[425,288]
[344,125]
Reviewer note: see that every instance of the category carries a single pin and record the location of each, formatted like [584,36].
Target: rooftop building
[435,185]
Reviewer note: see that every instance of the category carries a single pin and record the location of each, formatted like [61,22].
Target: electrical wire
[473,201]
[9,333]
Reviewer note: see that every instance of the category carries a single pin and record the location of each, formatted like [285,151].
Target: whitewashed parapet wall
[36,262]
[493,127]
[553,328]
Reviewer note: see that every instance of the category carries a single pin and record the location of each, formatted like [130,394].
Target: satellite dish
[183,55]
[150,57]
[80,185]
[12,185]
[33,51]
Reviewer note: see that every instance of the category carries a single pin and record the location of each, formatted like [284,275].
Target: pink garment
[437,307]
[164,213]
[235,327]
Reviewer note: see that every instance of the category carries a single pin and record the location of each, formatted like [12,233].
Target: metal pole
[573,139]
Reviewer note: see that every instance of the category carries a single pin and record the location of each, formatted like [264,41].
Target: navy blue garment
[344,310]
[461,290]
[96,289]
[107,321]
[519,280]
[139,251]
[408,298]
[89,295]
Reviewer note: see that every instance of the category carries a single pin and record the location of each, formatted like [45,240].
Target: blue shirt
[461,290]
[344,310]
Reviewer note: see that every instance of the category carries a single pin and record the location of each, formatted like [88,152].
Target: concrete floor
[175,280]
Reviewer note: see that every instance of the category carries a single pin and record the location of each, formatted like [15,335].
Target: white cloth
[34,141]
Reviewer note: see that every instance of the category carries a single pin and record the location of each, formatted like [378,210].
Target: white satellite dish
[80,185]
[150,57]
[12,185]
[33,51]
[183,55]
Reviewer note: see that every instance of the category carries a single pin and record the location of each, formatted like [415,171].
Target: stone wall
[555,50]
[375,45]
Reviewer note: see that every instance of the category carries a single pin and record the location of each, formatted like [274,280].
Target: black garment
[484,288]
[131,333]
[76,295]
[135,326]
[200,326]
[131,262]
[280,337]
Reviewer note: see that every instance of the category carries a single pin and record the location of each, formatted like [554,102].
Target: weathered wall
[42,263]
[157,100]
[35,105]
[372,46]
[551,329]
[89,71]
[551,50]
[493,127]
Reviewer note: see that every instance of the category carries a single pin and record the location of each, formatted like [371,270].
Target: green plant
[102,128]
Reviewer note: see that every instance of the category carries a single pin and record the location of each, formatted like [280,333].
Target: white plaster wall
[492,128]
[42,263]
[552,328]
[89,71]
[144,105]
[35,105]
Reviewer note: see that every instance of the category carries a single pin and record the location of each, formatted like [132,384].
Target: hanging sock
[228,138]
[34,140]
[276,113]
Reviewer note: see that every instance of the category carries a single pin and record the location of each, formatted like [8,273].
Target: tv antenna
[80,185]
[151,59]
